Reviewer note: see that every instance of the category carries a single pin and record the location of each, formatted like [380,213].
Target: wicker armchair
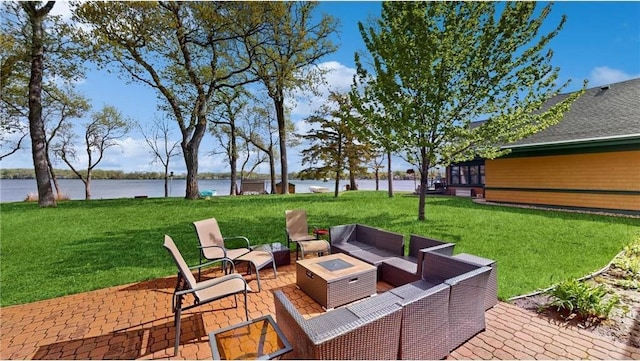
[369,329]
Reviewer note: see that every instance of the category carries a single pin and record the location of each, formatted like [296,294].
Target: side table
[255,339]
[281,253]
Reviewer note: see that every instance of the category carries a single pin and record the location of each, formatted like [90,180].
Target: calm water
[14,190]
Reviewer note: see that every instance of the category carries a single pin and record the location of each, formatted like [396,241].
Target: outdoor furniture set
[438,301]
[437,304]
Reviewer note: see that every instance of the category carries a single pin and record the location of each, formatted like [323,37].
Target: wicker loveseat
[424,319]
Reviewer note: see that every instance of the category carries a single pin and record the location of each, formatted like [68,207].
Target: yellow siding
[611,171]
[605,201]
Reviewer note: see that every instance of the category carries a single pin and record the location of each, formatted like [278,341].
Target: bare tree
[231,106]
[101,133]
[158,138]
[61,105]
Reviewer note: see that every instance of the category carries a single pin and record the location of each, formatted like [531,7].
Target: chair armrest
[213,282]
[224,250]
[237,237]
[233,267]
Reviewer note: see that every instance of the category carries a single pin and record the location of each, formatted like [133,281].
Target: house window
[455,174]
[464,174]
[468,175]
[473,174]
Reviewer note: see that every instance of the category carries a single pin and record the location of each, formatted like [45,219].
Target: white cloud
[338,78]
[603,75]
[63,9]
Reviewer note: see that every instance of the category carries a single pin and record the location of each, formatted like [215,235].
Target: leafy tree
[262,131]
[437,66]
[158,138]
[291,42]
[105,128]
[334,146]
[39,59]
[187,51]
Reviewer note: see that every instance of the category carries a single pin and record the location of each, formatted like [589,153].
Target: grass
[86,245]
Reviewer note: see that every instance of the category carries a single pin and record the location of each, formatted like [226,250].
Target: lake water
[14,190]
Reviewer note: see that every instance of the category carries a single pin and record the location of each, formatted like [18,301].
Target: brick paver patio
[135,322]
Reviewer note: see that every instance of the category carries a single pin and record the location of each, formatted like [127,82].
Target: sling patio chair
[203,292]
[213,249]
[212,244]
[297,231]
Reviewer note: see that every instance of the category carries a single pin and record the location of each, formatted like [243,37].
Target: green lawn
[86,245]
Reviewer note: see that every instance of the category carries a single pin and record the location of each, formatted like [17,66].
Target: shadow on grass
[129,343]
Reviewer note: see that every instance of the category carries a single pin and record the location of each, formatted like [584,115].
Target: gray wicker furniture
[369,244]
[425,320]
[365,330]
[336,279]
[491,298]
[468,282]
[397,271]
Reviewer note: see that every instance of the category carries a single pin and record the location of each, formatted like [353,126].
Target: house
[590,159]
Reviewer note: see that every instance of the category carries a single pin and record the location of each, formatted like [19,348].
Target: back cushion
[342,234]
[366,234]
[437,268]
[417,243]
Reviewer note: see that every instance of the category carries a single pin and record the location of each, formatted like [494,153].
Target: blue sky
[600,42]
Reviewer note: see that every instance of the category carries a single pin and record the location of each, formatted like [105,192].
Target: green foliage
[589,302]
[334,147]
[435,67]
[85,245]
[627,265]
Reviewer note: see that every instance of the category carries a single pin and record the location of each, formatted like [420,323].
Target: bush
[576,298]
[627,266]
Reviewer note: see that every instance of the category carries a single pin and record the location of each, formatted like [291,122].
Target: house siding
[606,180]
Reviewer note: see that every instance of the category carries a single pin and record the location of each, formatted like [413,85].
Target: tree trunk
[190,152]
[377,179]
[87,186]
[389,175]
[166,180]
[424,171]
[282,134]
[272,172]
[233,162]
[36,125]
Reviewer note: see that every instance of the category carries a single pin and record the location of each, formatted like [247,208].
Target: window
[455,174]
[473,174]
[469,175]
[464,174]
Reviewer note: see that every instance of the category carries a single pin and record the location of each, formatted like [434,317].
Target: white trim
[637,135]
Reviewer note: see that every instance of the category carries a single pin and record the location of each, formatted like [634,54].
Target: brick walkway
[135,322]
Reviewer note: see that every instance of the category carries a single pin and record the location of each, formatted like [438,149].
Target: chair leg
[178,311]
[273,265]
[246,310]
[257,275]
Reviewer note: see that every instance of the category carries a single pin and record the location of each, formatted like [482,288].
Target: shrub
[627,266]
[589,303]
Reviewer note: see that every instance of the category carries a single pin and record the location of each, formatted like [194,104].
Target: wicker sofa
[423,319]
[368,244]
